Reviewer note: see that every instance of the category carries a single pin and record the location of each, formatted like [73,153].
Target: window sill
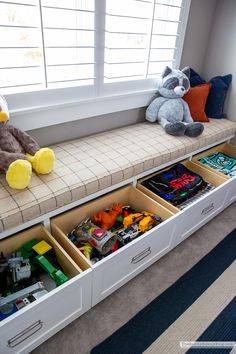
[47,115]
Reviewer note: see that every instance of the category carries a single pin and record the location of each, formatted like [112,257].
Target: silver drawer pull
[23,335]
[141,255]
[208,209]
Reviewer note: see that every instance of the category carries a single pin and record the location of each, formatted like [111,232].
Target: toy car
[128,234]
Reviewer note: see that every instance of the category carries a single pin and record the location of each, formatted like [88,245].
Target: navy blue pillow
[215,101]
[216,98]
[195,79]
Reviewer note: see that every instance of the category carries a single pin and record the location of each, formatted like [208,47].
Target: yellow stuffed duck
[19,153]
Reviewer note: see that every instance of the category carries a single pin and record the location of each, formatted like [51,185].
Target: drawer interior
[227,149]
[19,270]
[66,222]
[208,175]
[13,243]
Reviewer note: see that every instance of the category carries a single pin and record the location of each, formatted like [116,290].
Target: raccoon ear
[186,71]
[166,71]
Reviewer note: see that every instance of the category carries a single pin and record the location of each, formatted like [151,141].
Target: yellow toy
[132,219]
[42,247]
[145,220]
[19,153]
[145,223]
[87,250]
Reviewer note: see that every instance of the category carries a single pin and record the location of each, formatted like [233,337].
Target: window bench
[88,167]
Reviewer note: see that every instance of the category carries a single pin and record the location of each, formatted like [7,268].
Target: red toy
[106,219]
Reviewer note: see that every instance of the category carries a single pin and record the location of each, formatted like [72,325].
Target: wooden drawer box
[200,211]
[229,150]
[32,325]
[116,269]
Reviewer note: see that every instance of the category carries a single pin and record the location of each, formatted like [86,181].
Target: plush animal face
[174,83]
[4,113]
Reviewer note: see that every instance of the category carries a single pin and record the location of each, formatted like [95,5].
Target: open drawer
[227,149]
[201,210]
[117,268]
[30,326]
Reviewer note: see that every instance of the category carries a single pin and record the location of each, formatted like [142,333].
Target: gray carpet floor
[102,320]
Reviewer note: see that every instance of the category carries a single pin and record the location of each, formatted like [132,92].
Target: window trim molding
[185,14]
[43,116]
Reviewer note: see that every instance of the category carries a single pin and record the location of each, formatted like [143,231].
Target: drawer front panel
[112,273]
[195,216]
[34,325]
[231,195]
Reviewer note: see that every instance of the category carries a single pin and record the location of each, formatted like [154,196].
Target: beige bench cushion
[85,166]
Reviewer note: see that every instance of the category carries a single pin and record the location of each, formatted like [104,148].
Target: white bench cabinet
[116,269]
[32,325]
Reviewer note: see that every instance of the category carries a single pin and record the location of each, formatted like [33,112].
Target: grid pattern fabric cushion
[88,165]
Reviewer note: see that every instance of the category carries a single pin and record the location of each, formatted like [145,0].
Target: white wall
[220,57]
[84,127]
[197,34]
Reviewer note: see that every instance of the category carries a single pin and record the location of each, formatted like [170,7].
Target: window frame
[51,106]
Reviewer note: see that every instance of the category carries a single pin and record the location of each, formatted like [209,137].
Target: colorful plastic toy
[87,250]
[56,274]
[128,234]
[20,268]
[42,247]
[99,238]
[144,219]
[21,293]
[41,255]
[21,272]
[106,219]
[20,299]
[146,223]
[125,225]
[132,219]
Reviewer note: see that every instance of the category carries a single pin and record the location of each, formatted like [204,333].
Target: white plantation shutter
[64,43]
[127,39]
[46,43]
[68,29]
[20,45]
[141,37]
[167,20]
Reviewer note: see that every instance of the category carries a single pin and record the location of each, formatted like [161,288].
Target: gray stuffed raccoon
[169,109]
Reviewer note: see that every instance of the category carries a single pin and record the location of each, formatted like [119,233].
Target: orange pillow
[196,99]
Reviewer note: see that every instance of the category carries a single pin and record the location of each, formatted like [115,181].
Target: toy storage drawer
[27,328]
[119,267]
[203,209]
[116,270]
[231,194]
[229,150]
[199,213]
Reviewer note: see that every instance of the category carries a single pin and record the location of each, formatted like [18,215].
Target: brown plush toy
[19,153]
